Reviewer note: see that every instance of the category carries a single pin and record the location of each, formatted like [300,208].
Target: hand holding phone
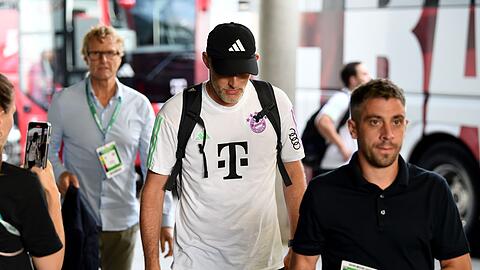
[47,178]
[38,140]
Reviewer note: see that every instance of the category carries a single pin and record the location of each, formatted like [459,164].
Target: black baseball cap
[231,48]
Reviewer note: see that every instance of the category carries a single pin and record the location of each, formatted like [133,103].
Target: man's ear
[352,127]
[205,60]
[257,56]
[352,81]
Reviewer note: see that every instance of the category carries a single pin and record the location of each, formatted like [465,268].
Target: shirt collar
[356,173]
[118,93]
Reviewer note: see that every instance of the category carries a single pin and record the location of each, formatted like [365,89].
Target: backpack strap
[344,120]
[192,105]
[267,99]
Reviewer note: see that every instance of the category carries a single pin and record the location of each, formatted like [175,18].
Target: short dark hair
[379,88]
[6,93]
[348,71]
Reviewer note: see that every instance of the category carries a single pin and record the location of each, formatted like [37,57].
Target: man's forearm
[294,193]
[327,128]
[150,216]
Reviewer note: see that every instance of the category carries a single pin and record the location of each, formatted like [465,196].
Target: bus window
[164,22]
[162,57]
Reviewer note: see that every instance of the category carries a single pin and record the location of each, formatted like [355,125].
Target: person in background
[112,122]
[329,119]
[31,228]
[227,217]
[33,150]
[378,211]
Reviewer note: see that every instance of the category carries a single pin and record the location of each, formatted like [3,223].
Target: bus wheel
[460,170]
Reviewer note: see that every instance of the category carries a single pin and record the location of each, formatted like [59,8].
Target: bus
[430,48]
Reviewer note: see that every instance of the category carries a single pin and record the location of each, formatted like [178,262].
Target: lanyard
[93,110]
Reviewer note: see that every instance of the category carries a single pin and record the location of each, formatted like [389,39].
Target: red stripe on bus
[469,135]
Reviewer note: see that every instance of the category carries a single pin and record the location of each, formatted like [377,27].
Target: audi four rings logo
[294,139]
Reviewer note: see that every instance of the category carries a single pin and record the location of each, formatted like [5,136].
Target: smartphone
[36,148]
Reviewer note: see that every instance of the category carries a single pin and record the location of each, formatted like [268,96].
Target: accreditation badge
[110,159]
[346,265]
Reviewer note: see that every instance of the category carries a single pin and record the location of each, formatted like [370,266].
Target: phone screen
[38,140]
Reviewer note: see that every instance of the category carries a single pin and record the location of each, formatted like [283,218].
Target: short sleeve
[163,142]
[449,240]
[336,107]
[308,239]
[37,230]
[145,135]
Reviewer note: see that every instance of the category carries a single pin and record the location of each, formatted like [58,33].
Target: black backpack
[314,144]
[192,103]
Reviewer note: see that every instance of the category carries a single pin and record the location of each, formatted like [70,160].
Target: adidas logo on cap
[237,46]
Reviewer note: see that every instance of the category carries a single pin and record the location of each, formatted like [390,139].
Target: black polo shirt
[405,226]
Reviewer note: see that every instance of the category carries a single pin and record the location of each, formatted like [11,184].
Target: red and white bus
[428,47]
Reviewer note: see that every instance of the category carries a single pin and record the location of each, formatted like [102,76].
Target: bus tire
[457,165]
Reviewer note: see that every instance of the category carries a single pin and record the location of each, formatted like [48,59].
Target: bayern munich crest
[257,127]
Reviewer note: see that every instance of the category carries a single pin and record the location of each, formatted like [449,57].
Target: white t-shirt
[228,220]
[335,108]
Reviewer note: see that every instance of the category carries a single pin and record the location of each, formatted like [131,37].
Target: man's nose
[387,132]
[233,81]
[102,57]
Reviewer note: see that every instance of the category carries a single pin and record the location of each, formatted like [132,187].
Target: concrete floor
[165,263]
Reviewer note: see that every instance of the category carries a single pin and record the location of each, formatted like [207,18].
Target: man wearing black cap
[226,220]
